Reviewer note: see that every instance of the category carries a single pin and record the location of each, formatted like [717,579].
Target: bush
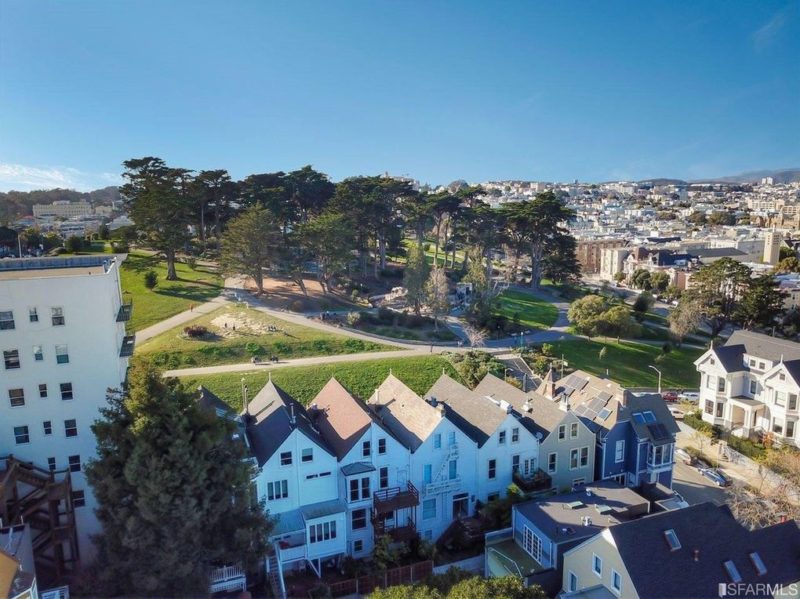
[191,262]
[120,247]
[74,244]
[254,349]
[297,306]
[150,279]
[353,318]
[426,246]
[195,331]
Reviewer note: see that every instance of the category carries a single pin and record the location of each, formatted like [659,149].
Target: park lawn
[410,243]
[627,362]
[532,311]
[247,335]
[304,382]
[96,247]
[169,297]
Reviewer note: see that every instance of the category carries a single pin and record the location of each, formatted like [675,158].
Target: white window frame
[572,581]
[555,463]
[616,576]
[597,570]
[619,451]
[532,543]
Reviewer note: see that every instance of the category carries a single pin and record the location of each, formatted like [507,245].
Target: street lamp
[659,377]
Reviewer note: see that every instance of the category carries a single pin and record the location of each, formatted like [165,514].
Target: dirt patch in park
[231,325]
[283,294]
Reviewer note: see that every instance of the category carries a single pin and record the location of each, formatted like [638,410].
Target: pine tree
[174,494]
[415,277]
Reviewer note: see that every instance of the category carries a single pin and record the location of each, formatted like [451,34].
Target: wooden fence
[364,585]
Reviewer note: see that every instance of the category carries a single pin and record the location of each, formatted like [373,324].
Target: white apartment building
[751,386]
[63,339]
[62,209]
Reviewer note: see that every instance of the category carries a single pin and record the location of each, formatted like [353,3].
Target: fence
[471,564]
[364,585]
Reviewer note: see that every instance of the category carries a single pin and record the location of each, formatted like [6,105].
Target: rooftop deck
[36,268]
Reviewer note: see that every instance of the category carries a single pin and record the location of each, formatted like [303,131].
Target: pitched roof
[211,402]
[407,416]
[477,416]
[661,431]
[271,417]
[764,346]
[340,418]
[711,530]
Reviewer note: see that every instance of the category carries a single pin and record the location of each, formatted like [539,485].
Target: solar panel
[604,395]
[580,410]
[596,404]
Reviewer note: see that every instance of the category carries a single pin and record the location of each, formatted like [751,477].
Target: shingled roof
[339,417]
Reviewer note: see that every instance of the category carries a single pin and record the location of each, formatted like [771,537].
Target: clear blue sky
[438,90]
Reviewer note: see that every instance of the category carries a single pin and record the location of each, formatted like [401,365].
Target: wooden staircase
[42,499]
[275,577]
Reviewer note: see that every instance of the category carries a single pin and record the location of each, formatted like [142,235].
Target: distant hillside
[662,181]
[789,175]
[16,204]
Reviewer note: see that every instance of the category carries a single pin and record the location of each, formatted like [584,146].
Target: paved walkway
[179,319]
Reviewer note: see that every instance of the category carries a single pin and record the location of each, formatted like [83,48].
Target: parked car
[716,477]
[684,456]
[670,396]
[677,413]
[690,396]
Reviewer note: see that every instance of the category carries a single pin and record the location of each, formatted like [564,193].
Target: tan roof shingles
[409,417]
[340,418]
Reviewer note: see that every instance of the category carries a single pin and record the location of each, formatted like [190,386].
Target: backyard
[304,382]
[194,286]
[525,309]
[236,333]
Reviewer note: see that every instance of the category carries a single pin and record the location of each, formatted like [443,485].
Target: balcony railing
[443,486]
[539,481]
[228,578]
[128,341]
[405,532]
[396,498]
[125,312]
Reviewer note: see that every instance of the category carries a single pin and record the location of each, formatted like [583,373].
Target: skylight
[758,563]
[637,416]
[733,573]
[649,417]
[672,540]
[604,413]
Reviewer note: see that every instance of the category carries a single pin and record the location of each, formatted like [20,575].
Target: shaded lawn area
[304,382]
[169,297]
[247,334]
[410,243]
[627,362]
[532,311]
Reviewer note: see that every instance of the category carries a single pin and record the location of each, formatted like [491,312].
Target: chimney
[696,554]
[548,385]
[624,398]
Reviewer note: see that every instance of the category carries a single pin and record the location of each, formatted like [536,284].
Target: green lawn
[250,337]
[627,362]
[304,382]
[532,311]
[169,297]
[410,243]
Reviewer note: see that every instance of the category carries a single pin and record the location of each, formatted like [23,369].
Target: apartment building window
[451,438]
[78,498]
[427,474]
[552,463]
[278,489]
[48,427]
[57,316]
[16,397]
[573,459]
[71,427]
[21,435]
[62,354]
[562,432]
[573,582]
[619,451]
[753,386]
[74,463]
[381,446]
[359,519]
[358,546]
[453,469]
[492,469]
[307,455]
[51,464]
[428,509]
[359,488]
[515,434]
[780,398]
[616,582]
[721,384]
[383,477]
[777,427]
[709,406]
[573,430]
[33,315]
[792,401]
[501,438]
[515,463]
[322,532]
[286,458]
[597,564]
[790,428]
[366,449]
[38,353]
[720,407]
[11,358]
[437,441]
[6,321]
[66,391]
[584,456]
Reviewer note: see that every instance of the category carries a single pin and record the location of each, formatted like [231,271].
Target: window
[62,354]
[43,391]
[308,455]
[552,463]
[780,397]
[71,427]
[428,509]
[720,384]
[66,391]
[733,571]
[78,499]
[38,353]
[381,446]
[492,497]
[74,463]
[753,386]
[286,458]
[761,365]
[584,456]
[51,464]
[16,397]
[21,435]
[359,488]
[720,407]
[383,477]
[782,376]
[492,469]
[790,428]
[616,582]
[278,489]
[709,406]
[11,358]
[710,382]
[532,543]
[322,532]
[57,316]
[792,401]
[777,427]
[501,438]
[358,545]
[573,459]
[453,469]
[619,452]
[752,362]
[515,434]
[437,441]
[573,430]
[451,438]
[6,321]
[366,449]
[427,474]
[758,563]
[48,427]
[573,582]
[597,565]
[359,519]
[562,432]
[515,463]
[672,540]
[33,315]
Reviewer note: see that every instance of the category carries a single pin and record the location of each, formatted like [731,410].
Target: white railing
[292,553]
[55,593]
[228,578]
[443,486]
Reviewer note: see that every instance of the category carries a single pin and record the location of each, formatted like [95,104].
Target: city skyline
[436,91]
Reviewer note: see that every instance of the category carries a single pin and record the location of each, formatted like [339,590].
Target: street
[694,487]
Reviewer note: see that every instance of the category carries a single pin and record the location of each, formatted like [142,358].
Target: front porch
[742,416]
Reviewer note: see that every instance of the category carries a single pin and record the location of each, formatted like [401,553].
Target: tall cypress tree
[174,494]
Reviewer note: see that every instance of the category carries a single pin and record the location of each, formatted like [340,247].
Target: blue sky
[437,90]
